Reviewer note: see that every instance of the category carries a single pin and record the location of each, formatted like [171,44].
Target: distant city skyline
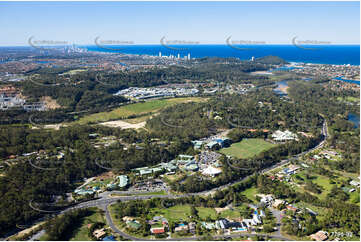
[142,23]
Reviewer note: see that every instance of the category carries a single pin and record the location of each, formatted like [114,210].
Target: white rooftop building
[283,135]
[211,171]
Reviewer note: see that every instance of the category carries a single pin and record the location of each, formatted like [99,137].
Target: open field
[80,229]
[182,212]
[141,108]
[349,99]
[250,193]
[81,233]
[247,148]
[323,181]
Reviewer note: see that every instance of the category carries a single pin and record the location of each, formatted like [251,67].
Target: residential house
[159,230]
[192,227]
[256,218]
[222,224]
[99,233]
[292,208]
[181,227]
[208,225]
[266,199]
[277,202]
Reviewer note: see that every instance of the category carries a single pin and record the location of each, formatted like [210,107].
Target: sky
[203,22]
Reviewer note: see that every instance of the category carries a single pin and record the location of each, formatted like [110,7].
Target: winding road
[105,200]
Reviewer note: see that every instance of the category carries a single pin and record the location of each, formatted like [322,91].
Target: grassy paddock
[81,233]
[148,107]
[250,193]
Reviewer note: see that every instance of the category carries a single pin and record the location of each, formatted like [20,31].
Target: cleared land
[80,229]
[183,212]
[136,109]
[74,72]
[123,125]
[349,99]
[247,148]
[81,233]
[250,193]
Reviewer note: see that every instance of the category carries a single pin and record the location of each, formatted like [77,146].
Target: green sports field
[247,148]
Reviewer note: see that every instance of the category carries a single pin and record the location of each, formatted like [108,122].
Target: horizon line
[225,44]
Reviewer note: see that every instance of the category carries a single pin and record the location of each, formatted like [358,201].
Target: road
[278,215]
[127,236]
[104,201]
[275,212]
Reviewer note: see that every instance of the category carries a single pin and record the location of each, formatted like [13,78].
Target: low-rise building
[355,183]
[123,181]
[181,227]
[158,230]
[277,203]
[283,135]
[208,225]
[99,233]
[213,145]
[266,199]
[197,144]
[291,207]
[211,171]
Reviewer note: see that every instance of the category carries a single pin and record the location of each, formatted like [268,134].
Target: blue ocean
[321,54]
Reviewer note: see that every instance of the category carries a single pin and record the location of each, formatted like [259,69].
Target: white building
[211,171]
[284,135]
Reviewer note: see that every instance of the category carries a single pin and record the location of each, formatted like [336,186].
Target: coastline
[225,51]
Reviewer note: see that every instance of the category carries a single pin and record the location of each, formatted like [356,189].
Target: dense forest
[255,111]
[41,185]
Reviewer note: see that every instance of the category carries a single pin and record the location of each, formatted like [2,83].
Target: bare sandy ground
[123,125]
[219,210]
[113,124]
[54,126]
[261,73]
